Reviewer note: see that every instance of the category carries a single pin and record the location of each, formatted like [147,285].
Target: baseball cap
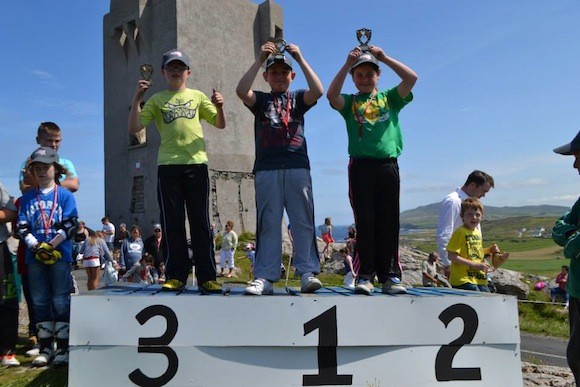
[157,226]
[569,148]
[43,155]
[172,55]
[365,57]
[279,58]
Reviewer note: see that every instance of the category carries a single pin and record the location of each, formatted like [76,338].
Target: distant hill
[426,216]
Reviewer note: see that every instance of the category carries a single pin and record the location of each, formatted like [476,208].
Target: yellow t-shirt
[467,244]
[177,115]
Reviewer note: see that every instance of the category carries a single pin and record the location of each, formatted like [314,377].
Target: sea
[340,232]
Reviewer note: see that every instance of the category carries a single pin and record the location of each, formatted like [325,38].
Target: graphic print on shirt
[173,111]
[37,222]
[474,253]
[274,131]
[376,111]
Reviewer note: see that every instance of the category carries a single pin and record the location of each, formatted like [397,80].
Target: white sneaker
[43,359]
[34,351]
[60,357]
[364,286]
[10,360]
[260,286]
[393,286]
[309,283]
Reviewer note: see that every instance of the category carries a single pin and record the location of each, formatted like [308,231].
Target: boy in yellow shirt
[465,250]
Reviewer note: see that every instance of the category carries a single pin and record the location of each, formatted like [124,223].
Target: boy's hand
[377,52]
[142,87]
[217,99]
[294,51]
[353,56]
[267,49]
[482,266]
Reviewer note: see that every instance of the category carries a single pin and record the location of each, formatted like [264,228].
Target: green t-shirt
[177,115]
[567,228]
[467,244]
[380,135]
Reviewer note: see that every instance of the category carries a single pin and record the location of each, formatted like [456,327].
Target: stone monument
[222,40]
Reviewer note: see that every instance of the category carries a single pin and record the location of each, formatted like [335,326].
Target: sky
[498,89]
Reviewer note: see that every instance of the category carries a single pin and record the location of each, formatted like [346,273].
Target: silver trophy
[146,72]
[364,36]
[280,46]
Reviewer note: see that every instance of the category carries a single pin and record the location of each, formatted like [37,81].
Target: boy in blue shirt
[282,167]
[47,219]
[374,143]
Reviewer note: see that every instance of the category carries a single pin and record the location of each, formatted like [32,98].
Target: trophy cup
[280,48]
[364,36]
[146,72]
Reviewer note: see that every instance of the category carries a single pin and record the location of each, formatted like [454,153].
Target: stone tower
[222,38]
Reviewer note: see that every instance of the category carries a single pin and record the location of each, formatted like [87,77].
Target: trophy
[364,36]
[146,72]
[280,49]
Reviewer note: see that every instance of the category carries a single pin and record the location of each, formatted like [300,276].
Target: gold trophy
[146,72]
[364,36]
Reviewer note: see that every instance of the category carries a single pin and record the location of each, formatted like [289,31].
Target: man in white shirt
[478,183]
[109,231]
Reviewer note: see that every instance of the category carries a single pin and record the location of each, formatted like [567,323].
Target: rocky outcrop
[506,281]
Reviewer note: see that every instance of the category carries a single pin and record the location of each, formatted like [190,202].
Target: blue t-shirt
[31,204]
[280,141]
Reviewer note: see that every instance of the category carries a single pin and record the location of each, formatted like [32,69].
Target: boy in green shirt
[374,143]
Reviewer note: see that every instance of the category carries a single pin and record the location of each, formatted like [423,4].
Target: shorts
[91,262]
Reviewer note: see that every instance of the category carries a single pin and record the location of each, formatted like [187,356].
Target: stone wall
[222,40]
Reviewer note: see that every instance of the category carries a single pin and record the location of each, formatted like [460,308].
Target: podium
[136,335]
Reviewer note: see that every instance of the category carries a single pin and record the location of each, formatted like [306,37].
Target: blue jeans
[50,290]
[276,190]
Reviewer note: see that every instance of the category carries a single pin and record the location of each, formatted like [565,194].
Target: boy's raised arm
[333,94]
[408,76]
[135,113]
[315,88]
[244,88]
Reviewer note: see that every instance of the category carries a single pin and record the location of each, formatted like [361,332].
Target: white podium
[134,335]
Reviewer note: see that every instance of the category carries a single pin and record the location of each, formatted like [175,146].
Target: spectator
[121,235]
[109,231]
[228,250]
[141,271]
[154,246]
[560,289]
[8,295]
[478,183]
[132,249]
[565,233]
[92,251]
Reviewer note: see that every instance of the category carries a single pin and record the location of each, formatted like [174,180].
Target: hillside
[426,216]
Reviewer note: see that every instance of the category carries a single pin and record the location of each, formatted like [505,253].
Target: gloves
[46,254]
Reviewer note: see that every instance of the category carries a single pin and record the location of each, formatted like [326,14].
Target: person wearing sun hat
[566,233]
